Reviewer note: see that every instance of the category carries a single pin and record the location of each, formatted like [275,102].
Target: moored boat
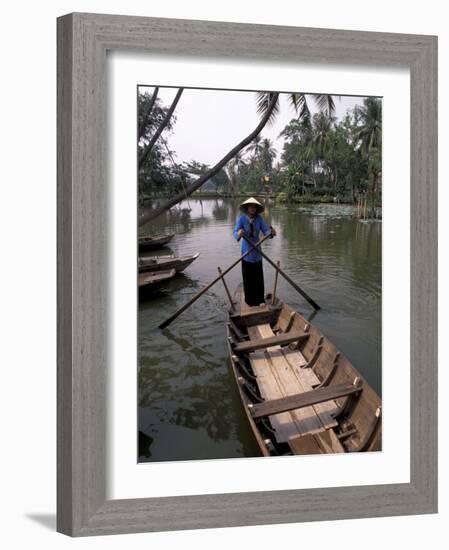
[300,394]
[158,263]
[148,242]
[152,280]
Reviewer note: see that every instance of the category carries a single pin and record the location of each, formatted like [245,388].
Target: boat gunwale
[245,401]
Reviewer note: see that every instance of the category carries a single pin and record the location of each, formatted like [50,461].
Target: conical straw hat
[252,200]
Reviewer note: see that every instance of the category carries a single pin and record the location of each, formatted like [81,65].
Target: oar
[287,278]
[206,288]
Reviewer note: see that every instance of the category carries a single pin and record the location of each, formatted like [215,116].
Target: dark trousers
[252,273]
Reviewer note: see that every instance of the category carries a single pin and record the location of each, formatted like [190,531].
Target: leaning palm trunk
[214,170]
[161,128]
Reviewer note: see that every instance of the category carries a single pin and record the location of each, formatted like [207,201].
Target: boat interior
[301,395]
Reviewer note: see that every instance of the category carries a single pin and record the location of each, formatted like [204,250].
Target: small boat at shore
[149,242]
[158,263]
[300,394]
[152,280]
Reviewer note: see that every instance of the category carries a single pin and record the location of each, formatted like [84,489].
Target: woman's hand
[273,231]
[240,233]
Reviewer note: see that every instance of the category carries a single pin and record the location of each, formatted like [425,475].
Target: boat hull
[160,263]
[300,394]
[149,282]
[152,243]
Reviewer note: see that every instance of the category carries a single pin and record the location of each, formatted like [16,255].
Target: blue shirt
[259,225]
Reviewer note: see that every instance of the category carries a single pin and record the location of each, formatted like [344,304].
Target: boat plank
[283,423]
[306,445]
[306,418]
[309,379]
[253,333]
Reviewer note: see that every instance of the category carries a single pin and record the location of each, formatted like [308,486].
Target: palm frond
[263,102]
[302,108]
[325,103]
[295,99]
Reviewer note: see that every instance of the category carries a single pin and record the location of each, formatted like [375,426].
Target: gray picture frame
[83,40]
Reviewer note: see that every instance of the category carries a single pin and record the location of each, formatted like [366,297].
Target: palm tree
[369,118]
[295,178]
[322,141]
[267,155]
[298,101]
[298,130]
[255,148]
[322,134]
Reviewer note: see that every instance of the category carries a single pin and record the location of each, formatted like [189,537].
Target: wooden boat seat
[280,374]
[305,399]
[292,336]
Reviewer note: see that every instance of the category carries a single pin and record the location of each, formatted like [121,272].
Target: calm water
[189,407]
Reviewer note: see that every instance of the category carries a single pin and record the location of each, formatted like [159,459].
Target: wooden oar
[287,278]
[206,288]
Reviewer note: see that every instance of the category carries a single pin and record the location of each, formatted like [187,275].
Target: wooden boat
[300,394]
[152,280]
[148,242]
[158,263]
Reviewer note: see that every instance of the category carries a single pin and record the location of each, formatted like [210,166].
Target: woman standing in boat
[250,224]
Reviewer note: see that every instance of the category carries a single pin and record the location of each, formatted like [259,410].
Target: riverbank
[281,200]
[216,195]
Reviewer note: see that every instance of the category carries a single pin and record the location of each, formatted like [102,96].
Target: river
[189,406]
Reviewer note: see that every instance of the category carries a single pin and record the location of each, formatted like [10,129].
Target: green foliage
[326,160]
[282,196]
[159,175]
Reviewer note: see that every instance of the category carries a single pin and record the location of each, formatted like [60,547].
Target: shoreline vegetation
[323,160]
[362,209]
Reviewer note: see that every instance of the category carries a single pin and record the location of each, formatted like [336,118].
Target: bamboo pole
[273,297]
[206,288]
[231,301]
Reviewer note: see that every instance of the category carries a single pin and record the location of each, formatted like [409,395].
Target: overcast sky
[211,122]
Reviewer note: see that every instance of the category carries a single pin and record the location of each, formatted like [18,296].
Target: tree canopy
[320,156]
